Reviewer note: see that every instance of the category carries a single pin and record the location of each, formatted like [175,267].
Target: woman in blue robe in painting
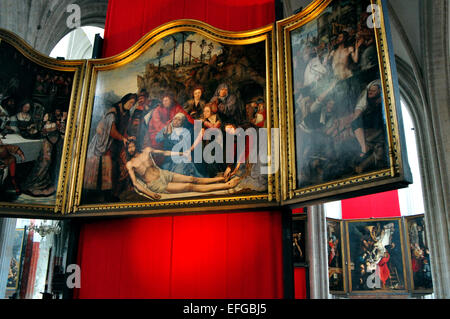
[176,136]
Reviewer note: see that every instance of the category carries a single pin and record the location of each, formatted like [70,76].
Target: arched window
[411,198]
[410,203]
[77,44]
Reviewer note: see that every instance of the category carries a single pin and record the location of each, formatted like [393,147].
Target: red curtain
[220,255]
[300,282]
[380,205]
[128,21]
[233,255]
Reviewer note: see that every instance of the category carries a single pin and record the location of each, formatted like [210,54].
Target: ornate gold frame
[272,197]
[78,68]
[396,176]
[282,185]
[349,270]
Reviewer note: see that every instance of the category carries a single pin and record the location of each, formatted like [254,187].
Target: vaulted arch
[55,28]
[43,23]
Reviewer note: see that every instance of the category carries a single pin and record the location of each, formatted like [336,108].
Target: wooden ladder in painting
[394,279]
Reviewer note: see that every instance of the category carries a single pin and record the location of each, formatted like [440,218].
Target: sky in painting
[124,79]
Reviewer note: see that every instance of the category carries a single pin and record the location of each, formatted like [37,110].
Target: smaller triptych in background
[379,256]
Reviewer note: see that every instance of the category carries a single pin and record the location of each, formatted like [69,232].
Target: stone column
[317,252]
[7,228]
[436,162]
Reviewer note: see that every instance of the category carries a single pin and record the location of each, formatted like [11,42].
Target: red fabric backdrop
[380,205]
[300,282]
[224,255]
[234,255]
[128,21]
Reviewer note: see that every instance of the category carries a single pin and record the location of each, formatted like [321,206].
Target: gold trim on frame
[77,67]
[269,199]
[318,193]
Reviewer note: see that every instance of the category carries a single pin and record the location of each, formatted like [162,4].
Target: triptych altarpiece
[192,118]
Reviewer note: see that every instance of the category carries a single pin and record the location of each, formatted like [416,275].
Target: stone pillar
[7,228]
[317,252]
[435,51]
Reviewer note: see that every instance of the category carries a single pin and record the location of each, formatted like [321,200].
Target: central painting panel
[187,118]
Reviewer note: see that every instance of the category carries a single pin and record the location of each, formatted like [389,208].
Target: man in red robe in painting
[162,115]
[383,269]
[260,116]
[332,250]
